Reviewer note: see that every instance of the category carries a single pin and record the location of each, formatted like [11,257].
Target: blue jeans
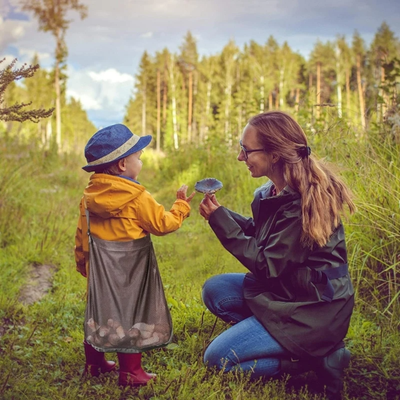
[247,345]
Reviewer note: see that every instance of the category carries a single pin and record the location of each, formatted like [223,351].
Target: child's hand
[181,194]
[208,205]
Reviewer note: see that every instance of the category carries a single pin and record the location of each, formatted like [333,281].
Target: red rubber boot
[130,370]
[96,363]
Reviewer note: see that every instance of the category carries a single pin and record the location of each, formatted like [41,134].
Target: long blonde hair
[323,194]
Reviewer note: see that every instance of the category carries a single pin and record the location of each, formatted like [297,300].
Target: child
[121,211]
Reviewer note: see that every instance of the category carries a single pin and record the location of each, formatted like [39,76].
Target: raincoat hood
[106,195]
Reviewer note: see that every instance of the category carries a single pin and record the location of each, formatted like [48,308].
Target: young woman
[291,311]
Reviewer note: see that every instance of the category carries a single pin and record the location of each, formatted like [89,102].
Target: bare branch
[15,112]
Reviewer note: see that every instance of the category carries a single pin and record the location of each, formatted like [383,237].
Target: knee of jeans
[208,291]
[213,358]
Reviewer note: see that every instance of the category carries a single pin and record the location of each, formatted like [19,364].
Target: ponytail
[323,199]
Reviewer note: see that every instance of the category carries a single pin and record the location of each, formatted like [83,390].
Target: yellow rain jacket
[122,210]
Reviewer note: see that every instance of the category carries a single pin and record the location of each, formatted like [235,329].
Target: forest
[345,95]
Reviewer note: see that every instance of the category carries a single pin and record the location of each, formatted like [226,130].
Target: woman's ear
[275,158]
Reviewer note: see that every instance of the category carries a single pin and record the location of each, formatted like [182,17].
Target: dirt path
[38,284]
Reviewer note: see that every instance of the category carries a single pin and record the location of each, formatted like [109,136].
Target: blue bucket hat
[110,144]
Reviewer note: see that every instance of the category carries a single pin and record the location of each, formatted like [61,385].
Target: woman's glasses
[247,152]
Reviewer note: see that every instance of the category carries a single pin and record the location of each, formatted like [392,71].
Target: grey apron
[126,309]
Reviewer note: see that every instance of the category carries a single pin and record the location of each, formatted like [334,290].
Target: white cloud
[28,54]
[10,32]
[88,102]
[111,75]
[147,35]
[104,92]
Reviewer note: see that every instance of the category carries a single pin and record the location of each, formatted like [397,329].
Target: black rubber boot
[330,372]
[295,367]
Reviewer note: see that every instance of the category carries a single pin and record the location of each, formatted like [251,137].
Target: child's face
[133,165]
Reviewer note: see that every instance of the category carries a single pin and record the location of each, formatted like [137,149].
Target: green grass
[41,354]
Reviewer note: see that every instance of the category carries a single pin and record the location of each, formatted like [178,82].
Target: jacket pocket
[301,281]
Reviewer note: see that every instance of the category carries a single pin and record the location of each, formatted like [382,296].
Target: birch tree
[52,17]
[343,71]
[359,54]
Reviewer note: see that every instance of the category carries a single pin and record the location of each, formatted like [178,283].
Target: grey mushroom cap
[208,185]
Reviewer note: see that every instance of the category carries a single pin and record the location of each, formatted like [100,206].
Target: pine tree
[39,88]
[272,49]
[360,54]
[384,48]
[188,60]
[228,59]
[206,96]
[77,127]
[322,59]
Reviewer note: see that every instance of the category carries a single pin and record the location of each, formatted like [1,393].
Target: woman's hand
[181,194]
[208,205]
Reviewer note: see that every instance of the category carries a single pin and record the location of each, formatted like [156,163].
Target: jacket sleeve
[246,224]
[81,248]
[154,219]
[277,254]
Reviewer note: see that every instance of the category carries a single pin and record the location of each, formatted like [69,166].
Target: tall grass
[39,197]
[371,167]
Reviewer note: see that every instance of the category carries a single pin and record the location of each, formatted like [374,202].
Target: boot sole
[332,377]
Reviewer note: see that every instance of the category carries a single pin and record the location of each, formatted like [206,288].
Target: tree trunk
[339,83]
[347,92]
[262,95]
[383,94]
[297,100]
[208,107]
[240,128]
[144,111]
[173,104]
[318,88]
[190,106]
[49,133]
[228,96]
[57,88]
[281,79]
[277,99]
[339,96]
[194,97]
[165,97]
[158,111]
[270,101]
[360,93]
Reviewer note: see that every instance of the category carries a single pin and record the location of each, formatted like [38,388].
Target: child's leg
[223,296]
[130,370]
[96,363]
[246,346]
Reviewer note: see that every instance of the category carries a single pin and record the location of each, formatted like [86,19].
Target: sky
[104,50]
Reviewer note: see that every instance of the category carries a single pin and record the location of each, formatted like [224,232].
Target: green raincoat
[304,298]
